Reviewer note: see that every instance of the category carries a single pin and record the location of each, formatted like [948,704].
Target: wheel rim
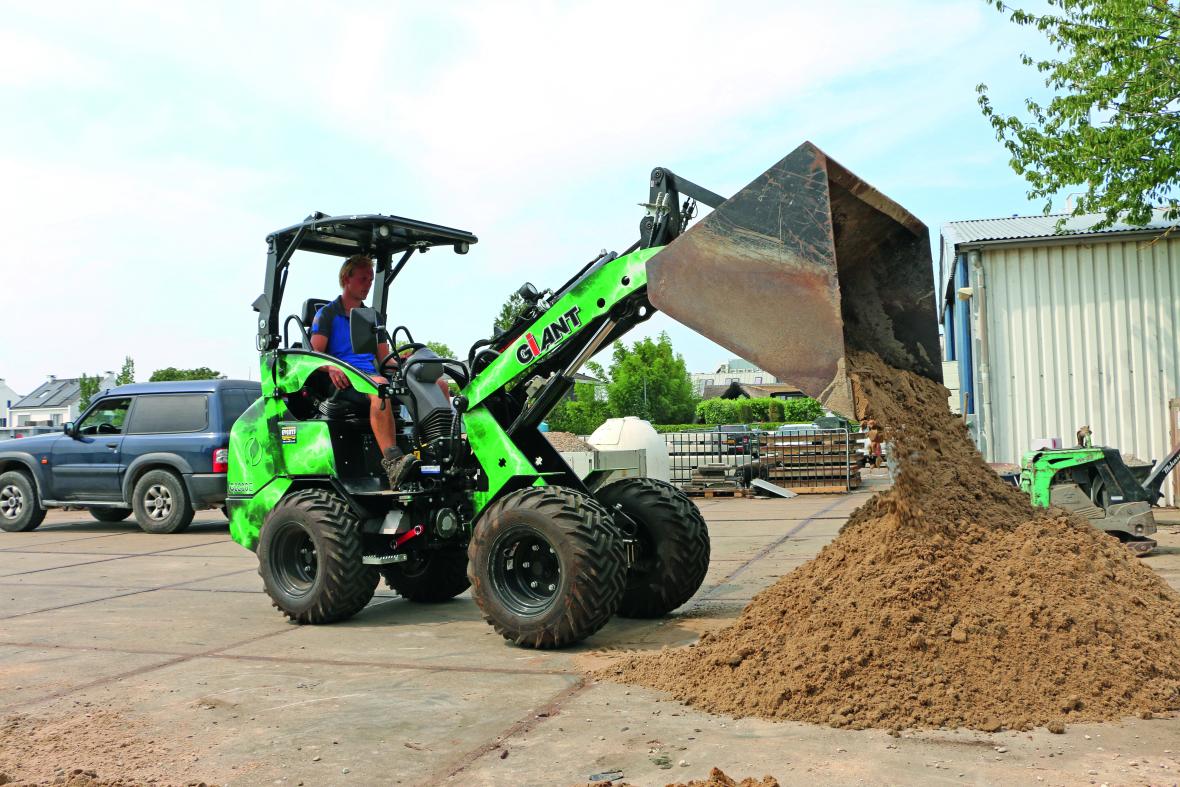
[526,571]
[158,502]
[12,501]
[293,559]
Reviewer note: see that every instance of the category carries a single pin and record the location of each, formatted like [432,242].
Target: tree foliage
[650,381]
[87,388]
[1113,124]
[172,374]
[580,413]
[127,373]
[440,349]
[510,311]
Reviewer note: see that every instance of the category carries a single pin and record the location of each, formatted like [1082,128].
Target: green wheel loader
[1097,485]
[489,504]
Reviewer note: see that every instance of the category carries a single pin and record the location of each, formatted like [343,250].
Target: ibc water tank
[630,433]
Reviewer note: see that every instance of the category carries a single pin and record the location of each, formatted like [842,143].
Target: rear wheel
[161,503]
[547,566]
[673,545]
[20,511]
[429,577]
[310,558]
[110,514]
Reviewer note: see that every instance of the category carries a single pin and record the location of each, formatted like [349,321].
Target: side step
[385,560]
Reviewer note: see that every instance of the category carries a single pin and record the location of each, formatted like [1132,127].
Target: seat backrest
[310,307]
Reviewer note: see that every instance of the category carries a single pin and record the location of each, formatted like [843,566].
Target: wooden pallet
[711,492]
[818,490]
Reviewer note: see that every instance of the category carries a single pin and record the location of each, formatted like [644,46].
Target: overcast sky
[147,149]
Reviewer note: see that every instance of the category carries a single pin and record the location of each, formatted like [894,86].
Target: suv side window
[234,402]
[163,413]
[107,417]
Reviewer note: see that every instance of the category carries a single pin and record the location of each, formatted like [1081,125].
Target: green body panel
[496,453]
[264,456]
[605,286]
[1037,469]
[247,514]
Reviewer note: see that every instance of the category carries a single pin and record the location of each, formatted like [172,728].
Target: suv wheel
[20,511]
[161,503]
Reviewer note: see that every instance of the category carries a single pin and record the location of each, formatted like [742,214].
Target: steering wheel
[105,428]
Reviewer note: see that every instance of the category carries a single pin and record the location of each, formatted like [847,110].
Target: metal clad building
[1052,331]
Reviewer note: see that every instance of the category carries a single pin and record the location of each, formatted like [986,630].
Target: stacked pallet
[713,480]
[814,462]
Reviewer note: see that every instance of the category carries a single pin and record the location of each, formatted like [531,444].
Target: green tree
[87,388]
[650,380]
[127,374]
[581,413]
[172,374]
[510,311]
[441,350]
[1113,125]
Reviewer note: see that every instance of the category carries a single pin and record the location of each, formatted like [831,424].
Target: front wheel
[547,566]
[673,545]
[310,557]
[20,511]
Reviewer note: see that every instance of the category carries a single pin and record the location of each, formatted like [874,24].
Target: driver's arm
[382,351]
[319,343]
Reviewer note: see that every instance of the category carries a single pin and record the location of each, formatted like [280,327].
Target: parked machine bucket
[805,264]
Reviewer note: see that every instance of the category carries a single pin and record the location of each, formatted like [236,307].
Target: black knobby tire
[20,510]
[573,579]
[673,545]
[429,577]
[310,558]
[161,503]
[110,514]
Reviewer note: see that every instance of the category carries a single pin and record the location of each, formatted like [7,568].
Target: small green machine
[1096,484]
[489,504]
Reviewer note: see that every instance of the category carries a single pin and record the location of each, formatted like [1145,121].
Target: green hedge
[666,428]
[744,411]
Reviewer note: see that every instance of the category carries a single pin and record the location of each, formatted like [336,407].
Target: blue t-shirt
[332,321]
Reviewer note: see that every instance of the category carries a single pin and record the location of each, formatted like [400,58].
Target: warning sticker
[290,435]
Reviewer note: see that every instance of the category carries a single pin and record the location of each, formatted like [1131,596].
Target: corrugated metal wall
[1082,334]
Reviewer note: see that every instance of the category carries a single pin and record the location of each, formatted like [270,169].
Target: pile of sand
[567,441]
[717,778]
[946,601]
[98,748]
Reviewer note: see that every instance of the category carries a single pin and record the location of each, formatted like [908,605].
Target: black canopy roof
[343,236]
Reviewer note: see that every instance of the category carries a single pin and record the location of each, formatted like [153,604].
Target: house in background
[7,398]
[735,370]
[1051,331]
[52,404]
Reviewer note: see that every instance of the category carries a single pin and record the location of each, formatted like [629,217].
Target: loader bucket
[805,264]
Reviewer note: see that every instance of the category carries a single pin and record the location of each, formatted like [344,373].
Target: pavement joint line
[389,665]
[766,550]
[67,541]
[180,659]
[136,592]
[107,560]
[533,719]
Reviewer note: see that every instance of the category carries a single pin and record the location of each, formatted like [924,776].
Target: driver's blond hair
[352,263]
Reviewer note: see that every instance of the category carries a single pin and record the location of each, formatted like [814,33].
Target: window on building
[757,381]
[731,380]
[708,382]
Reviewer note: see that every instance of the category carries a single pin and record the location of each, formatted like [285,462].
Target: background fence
[802,459]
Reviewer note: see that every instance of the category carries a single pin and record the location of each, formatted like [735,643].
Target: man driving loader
[330,335]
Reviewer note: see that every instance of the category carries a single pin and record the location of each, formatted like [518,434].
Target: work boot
[397,466]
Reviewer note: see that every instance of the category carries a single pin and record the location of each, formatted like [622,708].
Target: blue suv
[159,450]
